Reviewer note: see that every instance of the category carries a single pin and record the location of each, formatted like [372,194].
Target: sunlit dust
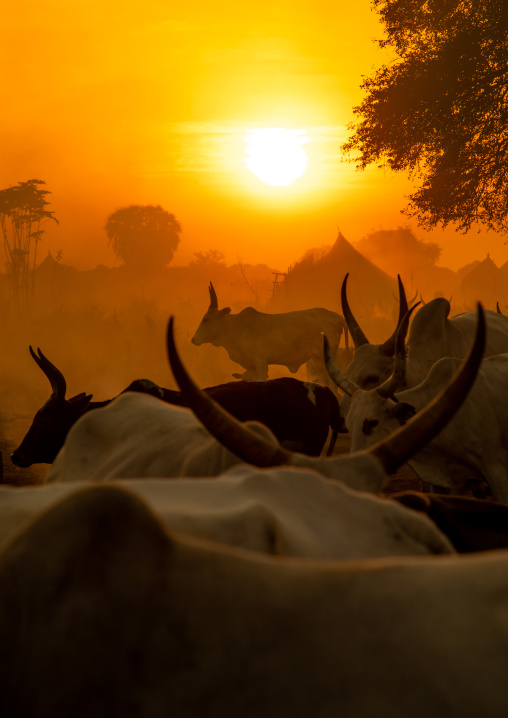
[276,155]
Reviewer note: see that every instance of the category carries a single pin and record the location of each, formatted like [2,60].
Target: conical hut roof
[485,283]
[315,281]
[49,266]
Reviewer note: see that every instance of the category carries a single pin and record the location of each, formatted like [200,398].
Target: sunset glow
[230,120]
[276,155]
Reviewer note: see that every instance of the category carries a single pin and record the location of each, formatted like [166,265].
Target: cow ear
[80,402]
[225,311]
[402,412]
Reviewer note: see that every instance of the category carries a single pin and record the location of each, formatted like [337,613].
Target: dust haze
[106,326]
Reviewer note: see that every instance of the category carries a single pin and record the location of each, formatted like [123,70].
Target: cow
[391,452]
[256,340]
[431,336]
[138,435]
[470,450]
[299,413]
[470,524]
[281,511]
[105,612]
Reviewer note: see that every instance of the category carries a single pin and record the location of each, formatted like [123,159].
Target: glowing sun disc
[276,155]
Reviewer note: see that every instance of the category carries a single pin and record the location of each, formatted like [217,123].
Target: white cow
[288,512]
[361,470]
[470,449]
[431,336]
[104,613]
[138,435]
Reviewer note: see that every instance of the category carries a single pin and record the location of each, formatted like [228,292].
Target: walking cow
[255,340]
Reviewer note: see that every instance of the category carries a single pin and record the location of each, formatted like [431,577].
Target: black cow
[298,413]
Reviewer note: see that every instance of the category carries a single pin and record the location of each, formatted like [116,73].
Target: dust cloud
[105,327]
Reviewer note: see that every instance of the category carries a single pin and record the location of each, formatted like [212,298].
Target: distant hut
[486,283]
[315,281]
[53,281]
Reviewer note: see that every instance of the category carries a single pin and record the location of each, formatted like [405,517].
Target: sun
[276,155]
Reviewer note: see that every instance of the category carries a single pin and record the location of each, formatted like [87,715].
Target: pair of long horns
[391,452]
[55,376]
[359,338]
[394,382]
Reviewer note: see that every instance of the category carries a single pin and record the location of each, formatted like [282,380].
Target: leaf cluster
[26,203]
[145,236]
[439,110]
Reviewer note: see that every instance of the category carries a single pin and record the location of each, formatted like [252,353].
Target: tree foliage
[143,236]
[23,209]
[439,110]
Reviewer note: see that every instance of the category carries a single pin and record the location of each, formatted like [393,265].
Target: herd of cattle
[268,578]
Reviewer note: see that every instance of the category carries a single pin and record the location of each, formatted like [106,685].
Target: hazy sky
[118,103]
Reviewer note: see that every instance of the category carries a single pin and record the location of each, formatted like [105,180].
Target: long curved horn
[424,426]
[358,336]
[388,348]
[498,310]
[213,297]
[228,430]
[398,376]
[55,376]
[344,384]
[391,452]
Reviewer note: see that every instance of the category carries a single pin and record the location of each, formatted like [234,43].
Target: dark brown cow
[470,524]
[298,413]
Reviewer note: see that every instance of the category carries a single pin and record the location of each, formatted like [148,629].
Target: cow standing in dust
[255,340]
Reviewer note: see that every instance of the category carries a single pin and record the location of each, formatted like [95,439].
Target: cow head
[372,363]
[210,328]
[53,421]
[375,413]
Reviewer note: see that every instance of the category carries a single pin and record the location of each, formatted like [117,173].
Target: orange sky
[116,103]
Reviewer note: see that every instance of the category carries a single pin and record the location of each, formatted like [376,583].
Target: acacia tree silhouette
[438,110]
[144,237]
[23,209]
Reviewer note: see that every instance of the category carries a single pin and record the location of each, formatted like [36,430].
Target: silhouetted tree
[23,209]
[439,110]
[143,236]
[208,259]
